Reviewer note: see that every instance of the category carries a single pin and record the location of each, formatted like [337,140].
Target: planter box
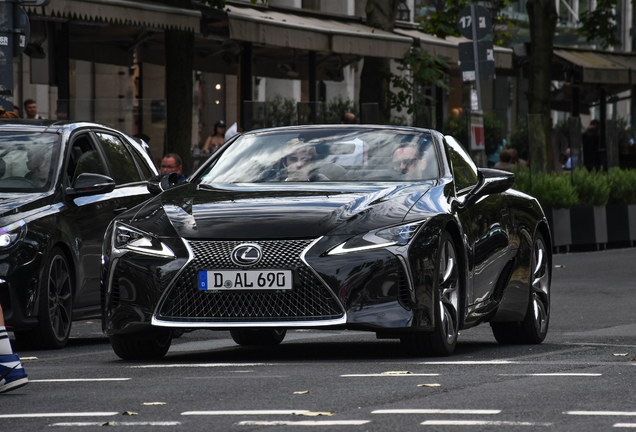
[559,221]
[589,225]
[621,223]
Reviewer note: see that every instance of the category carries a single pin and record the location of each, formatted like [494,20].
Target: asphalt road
[582,378]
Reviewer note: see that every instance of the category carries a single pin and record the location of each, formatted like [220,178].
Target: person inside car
[300,163]
[407,159]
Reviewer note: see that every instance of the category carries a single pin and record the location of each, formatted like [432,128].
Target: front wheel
[534,327]
[262,337]
[55,308]
[142,348]
[443,339]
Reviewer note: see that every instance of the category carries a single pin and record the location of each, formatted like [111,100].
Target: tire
[259,337]
[55,308]
[142,348]
[443,339]
[534,327]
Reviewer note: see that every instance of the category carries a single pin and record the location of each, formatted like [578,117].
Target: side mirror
[88,184]
[161,182]
[491,181]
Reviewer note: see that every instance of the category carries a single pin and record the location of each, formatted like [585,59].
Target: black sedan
[385,229]
[61,183]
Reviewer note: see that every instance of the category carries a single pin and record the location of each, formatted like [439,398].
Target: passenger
[38,163]
[300,163]
[407,159]
[172,163]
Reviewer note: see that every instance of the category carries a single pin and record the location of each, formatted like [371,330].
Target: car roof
[47,125]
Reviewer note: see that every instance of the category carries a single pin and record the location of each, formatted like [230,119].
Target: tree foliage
[601,24]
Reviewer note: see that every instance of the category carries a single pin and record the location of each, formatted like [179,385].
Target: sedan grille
[309,300]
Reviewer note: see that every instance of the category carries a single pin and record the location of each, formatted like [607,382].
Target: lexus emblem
[247,254]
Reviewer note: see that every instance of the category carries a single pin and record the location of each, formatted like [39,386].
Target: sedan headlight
[128,238]
[11,234]
[398,235]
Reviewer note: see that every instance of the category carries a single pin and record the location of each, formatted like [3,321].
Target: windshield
[326,155]
[27,161]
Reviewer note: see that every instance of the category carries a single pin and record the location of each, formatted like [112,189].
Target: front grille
[309,300]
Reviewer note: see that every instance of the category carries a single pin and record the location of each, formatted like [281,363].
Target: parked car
[61,183]
[409,240]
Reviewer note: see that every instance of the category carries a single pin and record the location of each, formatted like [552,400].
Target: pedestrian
[348,118]
[216,140]
[171,163]
[7,114]
[591,157]
[516,160]
[31,110]
[12,374]
[505,161]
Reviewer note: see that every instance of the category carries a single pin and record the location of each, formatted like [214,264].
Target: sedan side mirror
[87,184]
[161,182]
[491,181]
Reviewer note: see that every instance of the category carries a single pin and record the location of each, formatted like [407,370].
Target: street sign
[21,30]
[486,55]
[465,22]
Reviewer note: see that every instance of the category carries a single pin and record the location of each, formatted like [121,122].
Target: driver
[300,162]
[407,159]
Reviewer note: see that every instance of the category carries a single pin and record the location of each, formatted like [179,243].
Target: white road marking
[68,414]
[435,411]
[602,413]
[625,425]
[480,423]
[200,365]
[305,423]
[152,423]
[469,362]
[390,375]
[80,380]
[555,374]
[245,412]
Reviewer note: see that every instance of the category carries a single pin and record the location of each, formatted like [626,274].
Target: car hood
[16,206]
[253,211]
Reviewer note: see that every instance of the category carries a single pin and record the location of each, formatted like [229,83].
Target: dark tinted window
[464,170]
[147,173]
[121,161]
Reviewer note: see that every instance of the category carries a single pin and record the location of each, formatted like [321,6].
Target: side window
[121,162]
[83,158]
[464,170]
[147,173]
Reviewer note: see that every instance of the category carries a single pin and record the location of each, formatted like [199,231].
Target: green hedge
[579,188]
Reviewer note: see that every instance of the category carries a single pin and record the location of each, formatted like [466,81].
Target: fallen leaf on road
[108,424]
[154,403]
[559,266]
[617,355]
[28,358]
[128,413]
[314,414]
[302,392]
[428,385]
[396,373]
[634,359]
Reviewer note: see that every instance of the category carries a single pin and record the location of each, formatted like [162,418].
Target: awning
[285,29]
[127,12]
[449,47]
[599,67]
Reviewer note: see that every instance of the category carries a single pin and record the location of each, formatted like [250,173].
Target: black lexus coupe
[387,229]
[61,183]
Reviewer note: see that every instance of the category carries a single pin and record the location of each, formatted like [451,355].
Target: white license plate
[237,280]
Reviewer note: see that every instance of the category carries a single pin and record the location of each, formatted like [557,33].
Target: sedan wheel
[442,341]
[262,337]
[55,306]
[534,327]
[143,347]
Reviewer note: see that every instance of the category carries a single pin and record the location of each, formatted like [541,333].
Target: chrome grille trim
[309,305]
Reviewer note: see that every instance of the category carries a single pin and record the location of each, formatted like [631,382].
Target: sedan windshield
[27,161]
[326,155]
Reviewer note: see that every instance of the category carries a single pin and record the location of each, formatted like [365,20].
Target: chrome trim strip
[314,323]
[165,292]
[302,258]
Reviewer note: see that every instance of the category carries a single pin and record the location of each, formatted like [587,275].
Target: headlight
[128,238]
[11,234]
[393,236]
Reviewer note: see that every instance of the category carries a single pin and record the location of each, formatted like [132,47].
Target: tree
[376,72]
[543,19]
[600,24]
